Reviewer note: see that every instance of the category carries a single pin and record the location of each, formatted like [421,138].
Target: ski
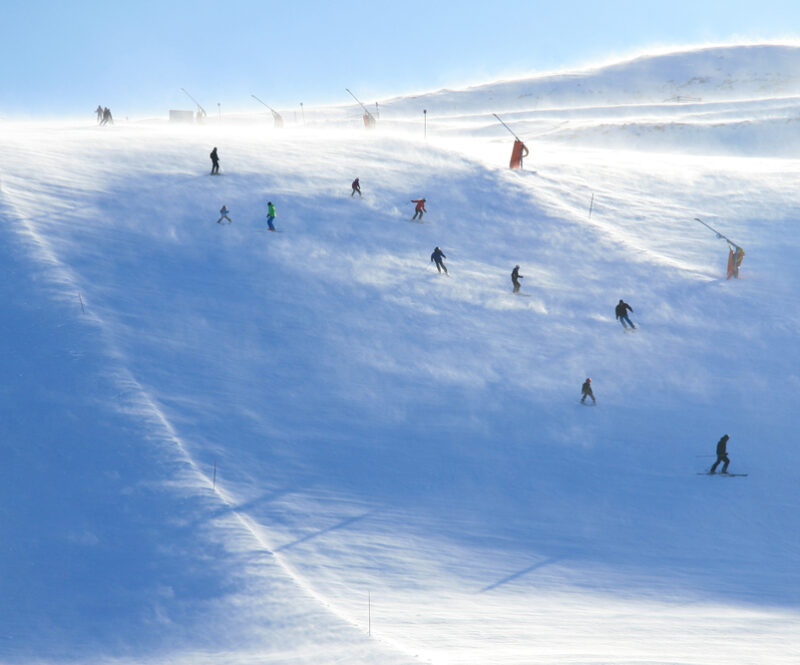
[729,475]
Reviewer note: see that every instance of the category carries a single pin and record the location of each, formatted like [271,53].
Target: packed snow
[224,445]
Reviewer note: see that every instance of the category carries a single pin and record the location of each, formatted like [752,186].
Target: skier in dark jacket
[621,311]
[437,257]
[214,162]
[356,188]
[586,391]
[515,277]
[722,455]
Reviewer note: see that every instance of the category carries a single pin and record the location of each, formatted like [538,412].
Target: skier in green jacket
[270,215]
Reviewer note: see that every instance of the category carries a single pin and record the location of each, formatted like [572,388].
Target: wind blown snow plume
[225,445]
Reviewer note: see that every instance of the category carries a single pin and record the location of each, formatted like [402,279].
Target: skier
[621,311]
[270,215]
[107,116]
[214,162]
[722,455]
[356,188]
[437,257]
[223,212]
[419,209]
[515,277]
[99,113]
[586,391]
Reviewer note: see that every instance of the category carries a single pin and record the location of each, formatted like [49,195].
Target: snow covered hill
[225,445]
[714,73]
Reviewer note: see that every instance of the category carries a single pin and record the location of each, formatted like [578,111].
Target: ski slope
[224,445]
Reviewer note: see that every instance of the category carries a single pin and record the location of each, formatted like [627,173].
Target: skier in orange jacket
[419,209]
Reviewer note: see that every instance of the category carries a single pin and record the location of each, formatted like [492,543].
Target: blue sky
[67,57]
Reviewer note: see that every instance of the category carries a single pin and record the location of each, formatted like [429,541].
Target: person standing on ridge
[437,257]
[722,455]
[356,188]
[586,391]
[419,209]
[515,277]
[270,215]
[223,214]
[621,310]
[99,113]
[214,162]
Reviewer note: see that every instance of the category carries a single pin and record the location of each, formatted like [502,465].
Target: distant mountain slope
[711,74]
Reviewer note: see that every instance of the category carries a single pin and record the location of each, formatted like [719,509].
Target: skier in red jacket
[419,209]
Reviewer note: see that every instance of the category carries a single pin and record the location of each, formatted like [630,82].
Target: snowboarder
[437,257]
[419,209]
[515,277]
[214,162]
[722,455]
[356,188]
[621,311]
[586,391]
[270,215]
[99,112]
[223,214]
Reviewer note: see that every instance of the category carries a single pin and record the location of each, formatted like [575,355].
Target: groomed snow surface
[223,445]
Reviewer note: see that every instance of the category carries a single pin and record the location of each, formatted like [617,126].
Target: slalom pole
[214,481]
[83,309]
[591,206]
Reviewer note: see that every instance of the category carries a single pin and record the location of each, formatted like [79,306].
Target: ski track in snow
[141,403]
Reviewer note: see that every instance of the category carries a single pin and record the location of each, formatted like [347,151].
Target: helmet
[588,380]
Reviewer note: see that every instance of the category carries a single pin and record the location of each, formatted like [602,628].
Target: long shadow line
[310,536]
[520,573]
